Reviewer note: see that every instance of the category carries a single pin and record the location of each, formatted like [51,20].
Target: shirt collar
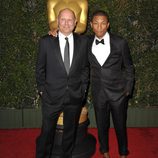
[61,35]
[105,37]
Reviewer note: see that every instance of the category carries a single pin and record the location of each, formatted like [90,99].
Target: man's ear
[108,25]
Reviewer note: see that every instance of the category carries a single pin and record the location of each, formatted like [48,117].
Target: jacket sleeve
[41,66]
[85,69]
[129,68]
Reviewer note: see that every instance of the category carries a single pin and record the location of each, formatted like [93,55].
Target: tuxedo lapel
[75,52]
[93,57]
[111,49]
[57,51]
[111,45]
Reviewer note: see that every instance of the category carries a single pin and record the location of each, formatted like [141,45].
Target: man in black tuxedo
[112,78]
[62,79]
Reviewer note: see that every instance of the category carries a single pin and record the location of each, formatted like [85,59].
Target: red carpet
[20,143]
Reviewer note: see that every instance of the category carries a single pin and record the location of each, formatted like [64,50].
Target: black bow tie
[97,41]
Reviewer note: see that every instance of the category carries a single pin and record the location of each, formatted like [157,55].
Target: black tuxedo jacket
[51,76]
[116,75]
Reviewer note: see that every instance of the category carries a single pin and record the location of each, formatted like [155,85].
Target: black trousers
[44,143]
[118,109]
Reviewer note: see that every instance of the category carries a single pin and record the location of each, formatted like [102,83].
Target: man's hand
[53,32]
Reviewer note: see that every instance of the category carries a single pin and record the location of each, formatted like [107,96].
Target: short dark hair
[100,13]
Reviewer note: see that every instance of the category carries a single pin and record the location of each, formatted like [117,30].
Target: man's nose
[99,27]
[66,22]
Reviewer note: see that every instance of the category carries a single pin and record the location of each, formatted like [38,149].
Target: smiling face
[100,25]
[66,21]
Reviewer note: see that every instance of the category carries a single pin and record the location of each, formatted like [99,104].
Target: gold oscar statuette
[80,8]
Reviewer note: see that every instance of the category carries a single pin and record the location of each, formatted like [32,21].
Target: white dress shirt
[62,43]
[101,51]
